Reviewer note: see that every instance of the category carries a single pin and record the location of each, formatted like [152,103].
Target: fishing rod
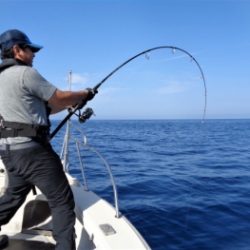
[95,89]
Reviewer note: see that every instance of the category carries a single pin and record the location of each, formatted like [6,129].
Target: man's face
[24,54]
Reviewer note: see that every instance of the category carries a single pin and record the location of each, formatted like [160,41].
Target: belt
[5,147]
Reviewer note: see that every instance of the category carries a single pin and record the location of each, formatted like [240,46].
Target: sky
[92,37]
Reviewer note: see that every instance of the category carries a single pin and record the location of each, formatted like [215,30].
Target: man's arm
[61,100]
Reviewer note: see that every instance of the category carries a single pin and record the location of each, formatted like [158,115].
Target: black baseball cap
[12,37]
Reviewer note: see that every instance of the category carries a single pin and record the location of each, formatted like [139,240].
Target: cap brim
[34,47]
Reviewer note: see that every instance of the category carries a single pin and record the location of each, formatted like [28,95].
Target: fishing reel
[85,115]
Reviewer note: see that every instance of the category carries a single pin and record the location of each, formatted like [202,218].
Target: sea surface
[184,184]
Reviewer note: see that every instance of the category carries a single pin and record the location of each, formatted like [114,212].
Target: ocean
[184,184]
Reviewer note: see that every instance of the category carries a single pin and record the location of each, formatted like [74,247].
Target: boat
[99,224]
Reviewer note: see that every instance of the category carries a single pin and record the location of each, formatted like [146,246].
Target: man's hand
[91,93]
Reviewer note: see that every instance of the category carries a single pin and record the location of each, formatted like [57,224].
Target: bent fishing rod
[95,89]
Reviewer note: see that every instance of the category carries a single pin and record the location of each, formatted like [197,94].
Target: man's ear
[16,49]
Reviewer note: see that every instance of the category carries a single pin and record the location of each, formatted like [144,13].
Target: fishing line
[146,53]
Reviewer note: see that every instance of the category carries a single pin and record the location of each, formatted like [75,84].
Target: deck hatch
[107,229]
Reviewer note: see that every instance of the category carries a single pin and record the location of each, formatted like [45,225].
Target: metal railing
[84,143]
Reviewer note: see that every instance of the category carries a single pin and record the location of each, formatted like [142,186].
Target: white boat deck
[97,226]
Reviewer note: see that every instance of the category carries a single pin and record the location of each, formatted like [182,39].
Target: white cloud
[79,78]
[78,81]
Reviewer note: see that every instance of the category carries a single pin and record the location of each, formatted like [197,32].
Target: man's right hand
[91,93]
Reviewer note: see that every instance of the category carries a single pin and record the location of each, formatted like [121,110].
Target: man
[25,101]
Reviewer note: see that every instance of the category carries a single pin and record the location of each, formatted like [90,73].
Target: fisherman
[26,100]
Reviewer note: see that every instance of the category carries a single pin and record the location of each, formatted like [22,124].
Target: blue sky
[91,38]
